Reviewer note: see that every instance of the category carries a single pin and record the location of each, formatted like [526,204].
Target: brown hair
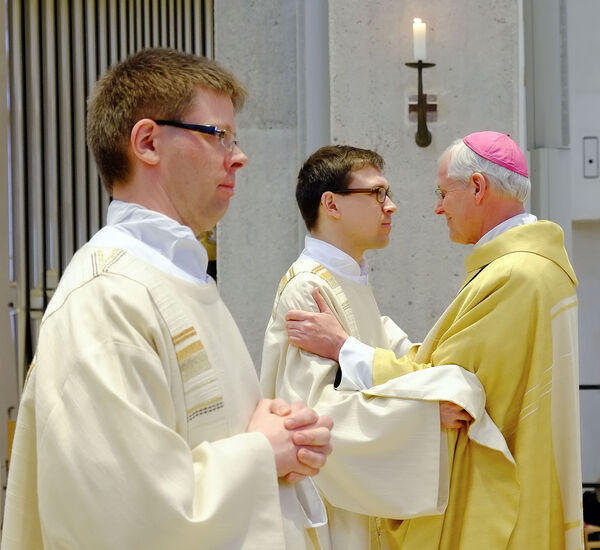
[329,169]
[155,83]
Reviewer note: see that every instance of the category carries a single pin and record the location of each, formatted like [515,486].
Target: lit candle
[419,29]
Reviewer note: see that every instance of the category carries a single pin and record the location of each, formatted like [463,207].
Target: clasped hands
[300,438]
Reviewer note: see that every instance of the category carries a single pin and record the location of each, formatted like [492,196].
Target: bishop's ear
[143,141]
[481,186]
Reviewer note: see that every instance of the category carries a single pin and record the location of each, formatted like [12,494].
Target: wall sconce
[423,135]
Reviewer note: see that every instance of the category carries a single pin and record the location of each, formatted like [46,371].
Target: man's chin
[380,244]
[458,240]
[208,224]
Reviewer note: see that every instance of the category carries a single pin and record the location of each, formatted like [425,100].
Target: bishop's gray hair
[463,162]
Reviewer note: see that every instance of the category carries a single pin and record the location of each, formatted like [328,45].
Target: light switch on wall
[590,157]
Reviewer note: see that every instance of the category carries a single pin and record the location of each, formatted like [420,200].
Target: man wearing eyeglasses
[514,324]
[141,423]
[387,459]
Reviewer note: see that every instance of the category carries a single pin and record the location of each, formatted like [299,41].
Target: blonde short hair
[156,83]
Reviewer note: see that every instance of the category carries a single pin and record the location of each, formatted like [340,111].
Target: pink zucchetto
[499,149]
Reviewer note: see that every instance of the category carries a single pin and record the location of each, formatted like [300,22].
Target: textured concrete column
[258,238]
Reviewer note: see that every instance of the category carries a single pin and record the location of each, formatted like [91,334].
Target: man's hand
[301,439]
[319,333]
[453,416]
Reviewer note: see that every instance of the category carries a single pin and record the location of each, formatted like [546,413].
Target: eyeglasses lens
[228,140]
[382,193]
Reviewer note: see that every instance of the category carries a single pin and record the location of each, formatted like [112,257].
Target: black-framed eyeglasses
[380,192]
[227,138]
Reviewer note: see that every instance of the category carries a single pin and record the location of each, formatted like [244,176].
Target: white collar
[154,238]
[519,219]
[335,260]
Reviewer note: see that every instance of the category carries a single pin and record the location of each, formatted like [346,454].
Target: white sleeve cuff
[356,364]
[315,514]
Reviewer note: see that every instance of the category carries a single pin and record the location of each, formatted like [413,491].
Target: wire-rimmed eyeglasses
[227,138]
[380,192]
[441,193]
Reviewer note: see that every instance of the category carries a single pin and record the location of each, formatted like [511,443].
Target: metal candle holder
[423,135]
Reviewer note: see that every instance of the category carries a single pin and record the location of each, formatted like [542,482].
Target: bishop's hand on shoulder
[319,333]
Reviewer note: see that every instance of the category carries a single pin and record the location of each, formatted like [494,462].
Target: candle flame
[417,20]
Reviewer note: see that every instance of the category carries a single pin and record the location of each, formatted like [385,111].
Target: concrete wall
[584,91]
[476,80]
[259,237]
[419,273]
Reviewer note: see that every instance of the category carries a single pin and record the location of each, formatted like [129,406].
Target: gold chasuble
[514,324]
[390,456]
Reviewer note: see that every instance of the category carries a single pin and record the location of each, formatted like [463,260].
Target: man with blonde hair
[513,324]
[141,423]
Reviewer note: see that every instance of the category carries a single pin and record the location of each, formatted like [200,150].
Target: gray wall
[584,92]
[476,80]
[419,272]
[258,239]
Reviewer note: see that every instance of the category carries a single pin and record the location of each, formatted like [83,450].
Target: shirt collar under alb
[154,238]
